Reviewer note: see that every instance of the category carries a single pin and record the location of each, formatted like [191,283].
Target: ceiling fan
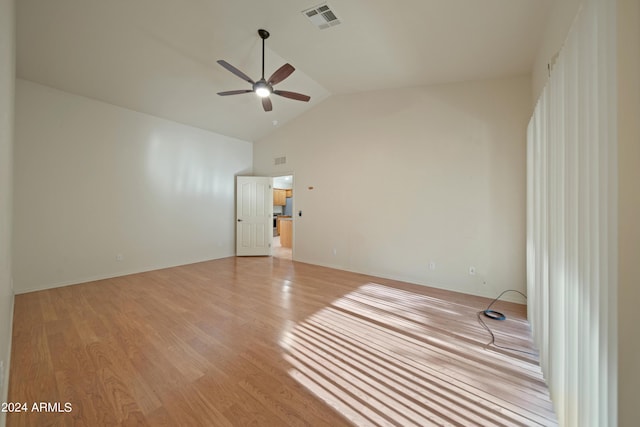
[263,88]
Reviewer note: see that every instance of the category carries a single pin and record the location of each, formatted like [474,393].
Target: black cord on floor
[496,315]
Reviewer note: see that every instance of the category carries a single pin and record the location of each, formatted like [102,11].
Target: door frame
[293,207]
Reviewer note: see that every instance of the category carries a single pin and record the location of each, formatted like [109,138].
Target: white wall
[407,176]
[7,72]
[93,180]
[628,210]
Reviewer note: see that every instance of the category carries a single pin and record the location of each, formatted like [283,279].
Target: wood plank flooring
[269,342]
[280,251]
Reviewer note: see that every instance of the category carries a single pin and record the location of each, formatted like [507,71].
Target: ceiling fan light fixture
[262,89]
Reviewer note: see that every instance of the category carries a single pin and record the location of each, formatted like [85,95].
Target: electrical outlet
[119,257]
[432,265]
[472,271]
[335,252]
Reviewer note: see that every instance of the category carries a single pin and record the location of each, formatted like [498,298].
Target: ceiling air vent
[321,16]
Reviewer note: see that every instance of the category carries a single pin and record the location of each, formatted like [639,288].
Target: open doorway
[283,216]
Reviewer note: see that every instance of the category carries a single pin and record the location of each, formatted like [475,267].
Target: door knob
[239,220]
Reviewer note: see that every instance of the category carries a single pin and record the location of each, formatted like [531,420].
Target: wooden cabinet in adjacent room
[286,232]
[278,223]
[279,197]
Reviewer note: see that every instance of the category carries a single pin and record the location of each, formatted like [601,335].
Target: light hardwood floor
[269,342]
[279,251]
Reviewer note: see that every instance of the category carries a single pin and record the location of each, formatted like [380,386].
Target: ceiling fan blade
[235,71]
[266,104]
[292,95]
[234,92]
[281,74]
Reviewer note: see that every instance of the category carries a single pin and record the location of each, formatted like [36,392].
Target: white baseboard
[111,276]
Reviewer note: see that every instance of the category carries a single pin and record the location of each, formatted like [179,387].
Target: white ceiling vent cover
[321,16]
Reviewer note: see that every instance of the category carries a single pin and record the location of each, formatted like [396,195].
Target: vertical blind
[571,222]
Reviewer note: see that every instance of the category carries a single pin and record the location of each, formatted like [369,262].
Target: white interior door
[254,215]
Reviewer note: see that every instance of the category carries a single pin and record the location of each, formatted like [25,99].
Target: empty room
[371,213]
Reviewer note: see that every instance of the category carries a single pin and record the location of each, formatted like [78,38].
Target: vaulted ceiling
[159,56]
